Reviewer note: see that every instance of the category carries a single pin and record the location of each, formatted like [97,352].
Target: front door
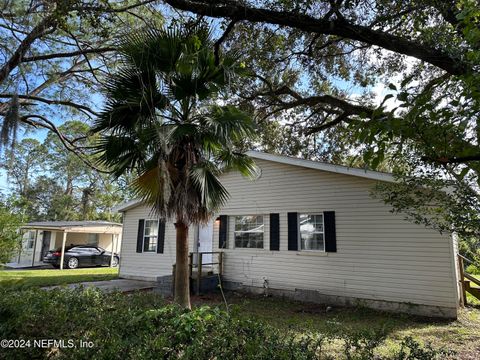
[45,244]
[205,242]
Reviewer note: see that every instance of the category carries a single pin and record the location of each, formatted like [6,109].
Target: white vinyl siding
[146,265]
[379,256]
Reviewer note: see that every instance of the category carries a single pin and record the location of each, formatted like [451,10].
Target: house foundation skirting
[313,296]
[137,277]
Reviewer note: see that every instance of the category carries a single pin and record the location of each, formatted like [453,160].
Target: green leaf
[392,86]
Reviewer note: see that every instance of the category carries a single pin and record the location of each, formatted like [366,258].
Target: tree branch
[455,159]
[67,54]
[54,78]
[47,23]
[338,26]
[68,144]
[222,38]
[112,9]
[52,102]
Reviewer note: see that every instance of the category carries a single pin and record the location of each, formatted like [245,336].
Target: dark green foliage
[446,206]
[412,350]
[9,236]
[473,269]
[469,246]
[361,344]
[142,326]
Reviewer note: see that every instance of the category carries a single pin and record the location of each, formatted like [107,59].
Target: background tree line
[46,182]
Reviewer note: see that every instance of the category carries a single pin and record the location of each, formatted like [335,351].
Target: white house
[309,231]
[42,236]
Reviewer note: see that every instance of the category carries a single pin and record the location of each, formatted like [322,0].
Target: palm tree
[162,122]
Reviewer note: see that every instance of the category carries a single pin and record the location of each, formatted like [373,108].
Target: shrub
[411,349]
[142,326]
[472,269]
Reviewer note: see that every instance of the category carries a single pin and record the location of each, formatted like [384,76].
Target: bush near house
[9,236]
[144,326]
[473,269]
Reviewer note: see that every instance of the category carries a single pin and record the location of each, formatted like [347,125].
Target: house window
[311,232]
[92,239]
[249,231]
[150,236]
[30,239]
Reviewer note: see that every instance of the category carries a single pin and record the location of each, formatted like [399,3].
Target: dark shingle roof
[63,224]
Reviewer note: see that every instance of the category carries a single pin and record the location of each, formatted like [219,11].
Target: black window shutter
[141,225]
[330,232]
[292,218]
[161,236]
[274,232]
[222,233]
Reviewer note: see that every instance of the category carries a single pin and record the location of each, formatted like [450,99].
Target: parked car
[81,256]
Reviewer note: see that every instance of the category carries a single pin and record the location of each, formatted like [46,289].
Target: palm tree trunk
[182,281]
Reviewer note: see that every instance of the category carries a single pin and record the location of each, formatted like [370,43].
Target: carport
[40,237]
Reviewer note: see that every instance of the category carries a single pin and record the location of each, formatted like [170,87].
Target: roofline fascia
[339,169]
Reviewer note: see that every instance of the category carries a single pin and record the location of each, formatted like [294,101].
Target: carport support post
[62,255]
[34,248]
[113,248]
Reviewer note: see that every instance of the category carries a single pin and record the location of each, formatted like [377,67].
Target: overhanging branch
[41,121]
[68,54]
[222,38]
[338,26]
[52,102]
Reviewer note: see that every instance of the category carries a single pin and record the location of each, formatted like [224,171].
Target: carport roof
[69,224]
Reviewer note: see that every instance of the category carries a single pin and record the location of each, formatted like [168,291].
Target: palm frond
[153,49]
[212,193]
[154,187]
[236,161]
[121,153]
[132,98]
[227,124]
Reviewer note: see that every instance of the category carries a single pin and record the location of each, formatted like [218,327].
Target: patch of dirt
[471,354]
[206,299]
[313,309]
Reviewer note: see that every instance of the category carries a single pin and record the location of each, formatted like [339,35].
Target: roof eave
[339,169]
[127,206]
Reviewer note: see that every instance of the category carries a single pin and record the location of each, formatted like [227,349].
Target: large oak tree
[314,65]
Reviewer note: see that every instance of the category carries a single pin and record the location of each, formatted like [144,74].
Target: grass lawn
[28,278]
[462,335]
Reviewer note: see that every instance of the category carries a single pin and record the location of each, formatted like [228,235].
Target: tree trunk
[182,281]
